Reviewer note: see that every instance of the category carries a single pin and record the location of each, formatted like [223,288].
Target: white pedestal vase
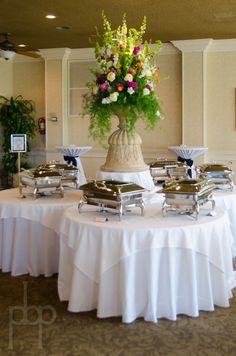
[124,153]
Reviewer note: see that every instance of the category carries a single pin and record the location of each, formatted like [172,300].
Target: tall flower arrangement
[124,81]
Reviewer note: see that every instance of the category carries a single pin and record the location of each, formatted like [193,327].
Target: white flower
[146,91]
[114,96]
[130,91]
[103,63]
[128,77]
[115,59]
[151,86]
[148,73]
[109,64]
[111,76]
[108,51]
[158,113]
[106,101]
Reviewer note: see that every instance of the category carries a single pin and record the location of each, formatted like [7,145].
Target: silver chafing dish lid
[166,164]
[188,186]
[39,173]
[215,168]
[111,187]
[57,167]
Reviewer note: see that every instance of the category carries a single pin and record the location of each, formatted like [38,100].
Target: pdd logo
[39,319]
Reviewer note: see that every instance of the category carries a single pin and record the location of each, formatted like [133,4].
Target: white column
[56,98]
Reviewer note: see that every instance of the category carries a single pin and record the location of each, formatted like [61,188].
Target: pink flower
[133,85]
[104,87]
[149,87]
[136,50]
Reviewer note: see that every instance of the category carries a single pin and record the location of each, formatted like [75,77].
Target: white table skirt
[29,240]
[226,200]
[144,179]
[76,152]
[148,267]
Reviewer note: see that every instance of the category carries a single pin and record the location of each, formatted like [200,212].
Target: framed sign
[18,143]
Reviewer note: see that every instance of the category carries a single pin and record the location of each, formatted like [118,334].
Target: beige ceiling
[166,20]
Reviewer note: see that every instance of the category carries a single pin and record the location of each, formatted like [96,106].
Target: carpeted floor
[55,331]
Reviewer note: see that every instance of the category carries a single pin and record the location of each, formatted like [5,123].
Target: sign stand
[18,145]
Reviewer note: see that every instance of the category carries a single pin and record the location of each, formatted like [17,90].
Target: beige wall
[54,103]
[221,104]
[28,81]
[25,76]
[221,84]
[6,78]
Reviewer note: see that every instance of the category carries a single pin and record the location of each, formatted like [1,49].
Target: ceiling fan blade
[31,54]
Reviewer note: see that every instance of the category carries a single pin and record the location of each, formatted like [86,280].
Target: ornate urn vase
[124,152]
[124,85]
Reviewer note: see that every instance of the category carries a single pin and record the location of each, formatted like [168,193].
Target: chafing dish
[68,173]
[164,170]
[187,195]
[219,174]
[111,195]
[41,181]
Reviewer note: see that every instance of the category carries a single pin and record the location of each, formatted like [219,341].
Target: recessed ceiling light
[50,16]
[63,28]
[22,45]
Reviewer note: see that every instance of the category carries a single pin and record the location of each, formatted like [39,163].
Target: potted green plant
[16,117]
[124,86]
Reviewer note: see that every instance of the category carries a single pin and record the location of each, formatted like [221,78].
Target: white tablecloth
[187,152]
[76,151]
[144,179]
[149,266]
[226,200]
[29,241]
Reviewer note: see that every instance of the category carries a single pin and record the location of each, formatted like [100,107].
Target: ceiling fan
[8,50]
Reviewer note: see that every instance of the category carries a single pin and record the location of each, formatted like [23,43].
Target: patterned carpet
[55,331]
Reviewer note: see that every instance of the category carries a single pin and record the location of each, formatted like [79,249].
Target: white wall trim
[55,53]
[227,45]
[82,54]
[193,45]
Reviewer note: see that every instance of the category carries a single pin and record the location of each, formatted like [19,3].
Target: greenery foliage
[16,117]
[125,80]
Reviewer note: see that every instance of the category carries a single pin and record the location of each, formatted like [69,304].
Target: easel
[18,171]
[18,145]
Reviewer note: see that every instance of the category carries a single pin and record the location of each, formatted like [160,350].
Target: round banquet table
[226,200]
[72,155]
[29,240]
[145,266]
[186,154]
